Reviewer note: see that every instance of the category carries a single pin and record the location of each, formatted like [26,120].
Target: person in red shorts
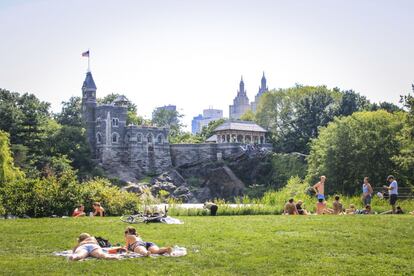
[79,211]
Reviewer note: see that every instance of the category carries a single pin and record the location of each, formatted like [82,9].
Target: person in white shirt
[393,192]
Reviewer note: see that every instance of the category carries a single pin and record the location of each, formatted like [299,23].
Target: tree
[247,116]
[207,131]
[8,172]
[71,114]
[352,147]
[405,158]
[351,102]
[168,118]
[294,115]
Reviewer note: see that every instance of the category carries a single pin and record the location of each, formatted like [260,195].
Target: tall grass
[273,202]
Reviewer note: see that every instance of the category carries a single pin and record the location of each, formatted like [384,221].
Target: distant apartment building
[241,102]
[200,121]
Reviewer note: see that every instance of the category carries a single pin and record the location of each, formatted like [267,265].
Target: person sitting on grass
[366,211]
[351,210]
[337,206]
[300,209]
[79,211]
[321,208]
[290,208]
[98,210]
[134,243]
[88,246]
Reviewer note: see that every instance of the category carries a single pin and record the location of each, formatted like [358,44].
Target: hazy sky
[192,53]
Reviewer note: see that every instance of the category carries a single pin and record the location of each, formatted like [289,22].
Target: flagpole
[89,57]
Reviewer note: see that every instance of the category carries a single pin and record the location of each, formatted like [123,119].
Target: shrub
[115,201]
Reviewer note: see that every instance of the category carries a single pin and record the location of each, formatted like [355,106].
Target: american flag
[85,54]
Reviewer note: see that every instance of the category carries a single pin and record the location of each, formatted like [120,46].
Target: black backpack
[103,242]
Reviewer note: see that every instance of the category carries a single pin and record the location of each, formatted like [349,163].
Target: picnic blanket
[176,252]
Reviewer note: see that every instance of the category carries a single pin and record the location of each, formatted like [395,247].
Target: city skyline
[192,54]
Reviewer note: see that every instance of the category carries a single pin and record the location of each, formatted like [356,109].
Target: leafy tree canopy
[353,147]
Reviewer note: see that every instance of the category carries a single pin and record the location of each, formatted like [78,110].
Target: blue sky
[192,53]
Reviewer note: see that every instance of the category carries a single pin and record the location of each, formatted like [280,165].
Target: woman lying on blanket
[88,246]
[135,244]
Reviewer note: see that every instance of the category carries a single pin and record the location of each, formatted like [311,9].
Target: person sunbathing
[88,246]
[134,243]
[321,208]
[337,206]
[79,211]
[351,210]
[301,210]
[290,208]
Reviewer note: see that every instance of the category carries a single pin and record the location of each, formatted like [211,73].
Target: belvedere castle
[138,150]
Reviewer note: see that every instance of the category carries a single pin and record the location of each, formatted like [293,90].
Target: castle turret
[88,109]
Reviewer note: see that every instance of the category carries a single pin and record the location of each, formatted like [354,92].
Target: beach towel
[176,252]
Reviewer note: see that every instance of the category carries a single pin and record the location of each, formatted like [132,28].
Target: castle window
[115,122]
[139,138]
[149,138]
[98,121]
[127,137]
[115,137]
[98,138]
[159,139]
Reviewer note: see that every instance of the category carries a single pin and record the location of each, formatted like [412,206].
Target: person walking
[366,191]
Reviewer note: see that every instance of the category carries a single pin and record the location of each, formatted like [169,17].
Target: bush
[115,201]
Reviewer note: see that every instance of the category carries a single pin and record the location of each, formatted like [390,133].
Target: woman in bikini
[135,244]
[88,246]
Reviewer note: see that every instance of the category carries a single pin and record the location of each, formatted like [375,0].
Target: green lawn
[238,245]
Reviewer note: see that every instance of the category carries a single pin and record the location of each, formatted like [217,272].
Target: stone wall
[182,154]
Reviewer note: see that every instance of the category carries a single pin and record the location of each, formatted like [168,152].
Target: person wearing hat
[393,192]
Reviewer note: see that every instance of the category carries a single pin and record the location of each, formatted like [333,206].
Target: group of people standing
[292,208]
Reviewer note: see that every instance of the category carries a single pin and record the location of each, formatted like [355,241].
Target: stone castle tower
[116,145]
[88,109]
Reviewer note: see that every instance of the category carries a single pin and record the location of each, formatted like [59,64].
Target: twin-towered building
[241,105]
[241,102]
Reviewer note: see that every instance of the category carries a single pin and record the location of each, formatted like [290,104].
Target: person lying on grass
[135,244]
[398,211]
[88,246]
[321,208]
[351,210]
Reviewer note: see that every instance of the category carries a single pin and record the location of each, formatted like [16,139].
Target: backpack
[103,242]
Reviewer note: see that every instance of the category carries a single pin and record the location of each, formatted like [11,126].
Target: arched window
[115,122]
[98,138]
[261,140]
[98,121]
[127,137]
[223,138]
[149,138]
[159,139]
[239,138]
[139,138]
[115,137]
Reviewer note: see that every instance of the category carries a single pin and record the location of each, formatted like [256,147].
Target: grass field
[231,245]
